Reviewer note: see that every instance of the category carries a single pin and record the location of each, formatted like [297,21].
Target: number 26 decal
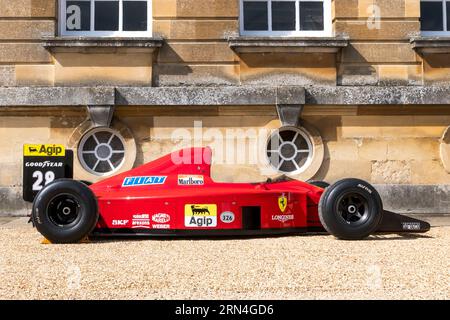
[49,176]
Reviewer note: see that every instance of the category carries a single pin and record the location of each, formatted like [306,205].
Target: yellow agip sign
[44,150]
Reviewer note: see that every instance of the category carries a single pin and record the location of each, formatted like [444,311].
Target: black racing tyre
[350,209]
[65,211]
[320,184]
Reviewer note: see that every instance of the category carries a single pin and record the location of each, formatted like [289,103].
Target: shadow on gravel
[377,237]
[100,239]
[398,236]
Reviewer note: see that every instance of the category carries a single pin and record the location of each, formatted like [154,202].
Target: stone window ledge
[101,43]
[431,44]
[287,45]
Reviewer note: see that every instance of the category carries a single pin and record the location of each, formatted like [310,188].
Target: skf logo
[44,150]
[120,222]
[282,202]
[200,215]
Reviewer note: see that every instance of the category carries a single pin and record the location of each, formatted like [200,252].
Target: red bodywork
[185,202]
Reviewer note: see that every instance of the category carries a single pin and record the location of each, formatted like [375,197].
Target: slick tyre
[350,209]
[320,184]
[65,211]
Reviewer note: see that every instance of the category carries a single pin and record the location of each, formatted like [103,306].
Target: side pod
[397,223]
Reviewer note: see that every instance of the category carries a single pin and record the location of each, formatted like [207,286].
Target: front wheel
[65,211]
[350,209]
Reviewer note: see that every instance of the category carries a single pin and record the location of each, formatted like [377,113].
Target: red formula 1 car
[179,198]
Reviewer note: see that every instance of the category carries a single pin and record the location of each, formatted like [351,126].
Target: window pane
[283,15]
[255,16]
[431,16]
[106,15]
[78,16]
[311,15]
[135,16]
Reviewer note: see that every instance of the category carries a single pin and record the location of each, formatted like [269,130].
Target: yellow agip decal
[44,150]
[200,215]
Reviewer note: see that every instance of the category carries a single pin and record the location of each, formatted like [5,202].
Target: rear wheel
[350,209]
[65,211]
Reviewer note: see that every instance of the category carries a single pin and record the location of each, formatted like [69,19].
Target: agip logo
[44,150]
[200,215]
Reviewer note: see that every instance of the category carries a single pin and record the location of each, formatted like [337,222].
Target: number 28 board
[42,164]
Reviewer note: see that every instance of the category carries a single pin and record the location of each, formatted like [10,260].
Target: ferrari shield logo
[282,202]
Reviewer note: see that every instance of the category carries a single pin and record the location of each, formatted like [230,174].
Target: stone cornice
[285,45]
[224,96]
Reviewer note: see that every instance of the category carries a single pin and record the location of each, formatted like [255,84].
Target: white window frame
[327,23]
[92,33]
[446,31]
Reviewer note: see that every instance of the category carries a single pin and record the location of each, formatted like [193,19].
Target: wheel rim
[64,210]
[353,208]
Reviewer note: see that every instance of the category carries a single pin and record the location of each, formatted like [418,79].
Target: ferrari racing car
[170,198]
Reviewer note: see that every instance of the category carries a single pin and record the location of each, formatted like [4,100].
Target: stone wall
[385,144]
[400,149]
[23,60]
[197,52]
[379,52]
[385,150]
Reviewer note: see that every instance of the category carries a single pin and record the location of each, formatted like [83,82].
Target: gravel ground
[296,267]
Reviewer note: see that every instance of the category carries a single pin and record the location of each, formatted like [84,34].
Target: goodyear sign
[200,215]
[44,150]
[43,164]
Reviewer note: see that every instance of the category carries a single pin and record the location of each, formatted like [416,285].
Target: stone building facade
[361,86]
